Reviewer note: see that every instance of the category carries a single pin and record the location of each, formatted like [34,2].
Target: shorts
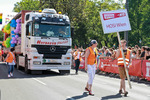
[122,72]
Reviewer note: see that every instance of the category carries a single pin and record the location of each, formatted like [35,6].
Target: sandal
[87,89]
[120,91]
[90,93]
[125,94]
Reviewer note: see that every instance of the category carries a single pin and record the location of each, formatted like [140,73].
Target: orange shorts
[122,72]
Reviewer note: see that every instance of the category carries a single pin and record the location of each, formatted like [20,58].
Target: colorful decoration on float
[15,36]
[1,18]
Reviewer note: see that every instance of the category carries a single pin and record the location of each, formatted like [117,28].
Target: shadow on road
[78,96]
[19,74]
[111,97]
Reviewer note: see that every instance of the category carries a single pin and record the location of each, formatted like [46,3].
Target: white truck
[45,41]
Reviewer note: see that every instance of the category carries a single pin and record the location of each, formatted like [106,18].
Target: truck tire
[26,66]
[36,72]
[62,72]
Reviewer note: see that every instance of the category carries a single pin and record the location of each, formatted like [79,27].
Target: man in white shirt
[77,58]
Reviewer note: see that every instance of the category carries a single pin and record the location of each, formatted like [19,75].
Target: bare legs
[122,85]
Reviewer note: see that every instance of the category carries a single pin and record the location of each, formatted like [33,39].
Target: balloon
[15,42]
[13,38]
[13,23]
[19,42]
[12,32]
[16,31]
[8,31]
[16,36]
[9,38]
[8,26]
[12,42]
[7,46]
[18,20]
[5,43]
[12,45]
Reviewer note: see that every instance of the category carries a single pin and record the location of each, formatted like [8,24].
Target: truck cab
[45,42]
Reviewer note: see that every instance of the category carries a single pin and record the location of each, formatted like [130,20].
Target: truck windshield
[47,30]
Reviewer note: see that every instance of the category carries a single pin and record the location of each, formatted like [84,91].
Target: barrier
[138,67]
[146,69]
[108,66]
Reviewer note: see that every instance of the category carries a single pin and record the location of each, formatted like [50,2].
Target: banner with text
[146,69]
[115,21]
[108,66]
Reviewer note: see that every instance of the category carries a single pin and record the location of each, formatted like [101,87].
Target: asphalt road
[53,86]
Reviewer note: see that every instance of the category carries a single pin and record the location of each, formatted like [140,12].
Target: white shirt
[78,55]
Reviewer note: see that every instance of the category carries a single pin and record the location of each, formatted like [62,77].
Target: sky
[6,7]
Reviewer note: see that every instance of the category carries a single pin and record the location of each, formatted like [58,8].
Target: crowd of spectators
[142,53]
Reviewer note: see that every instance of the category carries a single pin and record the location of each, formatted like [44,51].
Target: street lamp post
[140,41]
[126,32]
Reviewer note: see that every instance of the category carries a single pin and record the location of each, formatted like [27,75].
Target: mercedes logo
[52,49]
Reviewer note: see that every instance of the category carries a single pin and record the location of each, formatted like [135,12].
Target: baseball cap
[93,42]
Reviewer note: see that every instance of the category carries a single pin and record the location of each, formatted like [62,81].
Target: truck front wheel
[26,65]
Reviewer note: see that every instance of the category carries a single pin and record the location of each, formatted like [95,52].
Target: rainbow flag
[1,18]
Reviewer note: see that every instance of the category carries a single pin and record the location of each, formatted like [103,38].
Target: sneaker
[86,89]
[9,76]
[90,93]
[125,94]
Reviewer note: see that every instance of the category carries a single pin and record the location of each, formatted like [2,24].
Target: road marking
[39,81]
[68,97]
[21,72]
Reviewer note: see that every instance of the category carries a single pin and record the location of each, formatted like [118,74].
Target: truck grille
[51,52]
[51,63]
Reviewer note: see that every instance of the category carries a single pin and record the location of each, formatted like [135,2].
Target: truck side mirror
[72,31]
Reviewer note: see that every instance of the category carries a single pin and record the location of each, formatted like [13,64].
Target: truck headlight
[66,63]
[37,62]
[67,57]
[69,51]
[36,57]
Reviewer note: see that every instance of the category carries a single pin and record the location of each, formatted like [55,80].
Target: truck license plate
[53,61]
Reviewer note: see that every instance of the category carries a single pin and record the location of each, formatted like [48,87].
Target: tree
[27,5]
[84,16]
[1,36]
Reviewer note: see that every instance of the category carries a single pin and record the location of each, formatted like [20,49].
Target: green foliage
[85,18]
[1,36]
[27,5]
